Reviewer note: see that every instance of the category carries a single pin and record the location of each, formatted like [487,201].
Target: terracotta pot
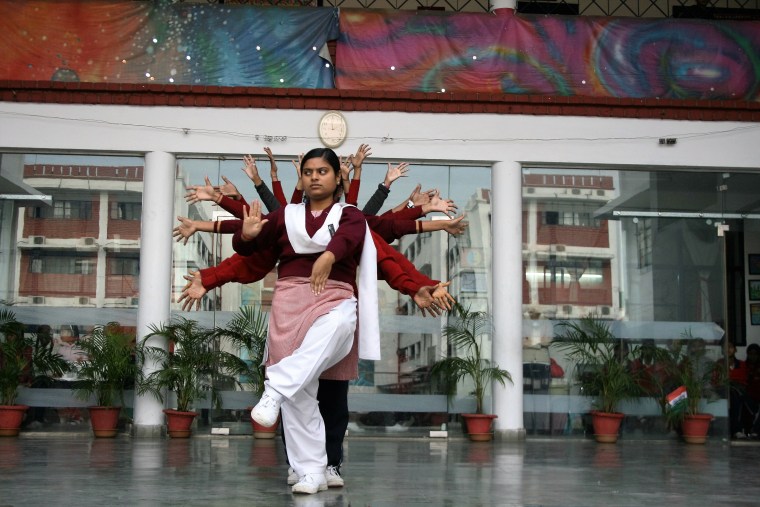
[479,426]
[695,428]
[104,421]
[178,424]
[11,417]
[260,431]
[606,426]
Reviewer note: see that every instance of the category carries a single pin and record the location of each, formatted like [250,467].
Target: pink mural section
[548,55]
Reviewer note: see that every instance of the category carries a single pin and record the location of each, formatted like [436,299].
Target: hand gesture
[421,198]
[252,221]
[297,163]
[425,301]
[363,152]
[184,230]
[250,169]
[345,168]
[442,296]
[320,271]
[455,226]
[437,203]
[272,164]
[193,291]
[198,193]
[229,189]
[395,173]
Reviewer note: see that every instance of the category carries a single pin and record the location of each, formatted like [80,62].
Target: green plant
[689,366]
[466,333]
[21,361]
[192,366]
[248,330]
[607,375]
[111,364]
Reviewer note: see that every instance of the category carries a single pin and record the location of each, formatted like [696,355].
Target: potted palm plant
[466,333]
[110,364]
[696,378]
[190,367]
[20,361]
[607,375]
[248,330]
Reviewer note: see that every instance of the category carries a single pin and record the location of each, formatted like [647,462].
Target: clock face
[332,129]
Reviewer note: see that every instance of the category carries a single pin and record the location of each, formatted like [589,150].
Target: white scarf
[369,322]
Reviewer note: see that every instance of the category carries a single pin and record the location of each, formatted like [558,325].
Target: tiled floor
[66,470]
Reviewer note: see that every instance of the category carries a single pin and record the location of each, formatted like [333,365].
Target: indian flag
[678,395]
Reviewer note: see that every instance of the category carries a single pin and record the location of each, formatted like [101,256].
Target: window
[128,266]
[644,241]
[126,210]
[81,210]
[570,218]
[62,264]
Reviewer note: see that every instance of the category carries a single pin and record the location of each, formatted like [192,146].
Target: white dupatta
[369,323]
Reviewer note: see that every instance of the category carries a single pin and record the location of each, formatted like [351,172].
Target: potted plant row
[20,362]
[110,364]
[466,332]
[191,365]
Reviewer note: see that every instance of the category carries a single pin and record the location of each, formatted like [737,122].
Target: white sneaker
[292,476]
[310,484]
[334,480]
[266,410]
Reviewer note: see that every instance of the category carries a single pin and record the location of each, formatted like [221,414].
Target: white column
[155,273]
[506,208]
[503,4]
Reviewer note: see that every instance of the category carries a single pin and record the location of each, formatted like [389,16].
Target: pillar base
[517,435]
[146,431]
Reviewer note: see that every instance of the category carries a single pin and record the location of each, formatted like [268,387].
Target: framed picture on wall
[753,263]
[754,314]
[753,288]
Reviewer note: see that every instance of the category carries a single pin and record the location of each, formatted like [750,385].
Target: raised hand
[425,301]
[252,221]
[345,168]
[198,193]
[421,198]
[437,203]
[250,169]
[362,153]
[297,163]
[395,173]
[229,189]
[272,164]
[193,291]
[184,230]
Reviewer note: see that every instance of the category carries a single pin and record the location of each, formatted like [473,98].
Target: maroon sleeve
[233,206]
[350,233]
[404,214]
[297,197]
[266,238]
[229,226]
[278,193]
[353,192]
[238,269]
[389,228]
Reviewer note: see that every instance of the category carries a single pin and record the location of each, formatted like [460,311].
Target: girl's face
[318,179]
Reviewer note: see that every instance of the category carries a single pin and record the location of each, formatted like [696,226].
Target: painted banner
[549,55]
[161,42]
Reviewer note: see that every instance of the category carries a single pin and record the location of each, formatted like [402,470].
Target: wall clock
[333,129]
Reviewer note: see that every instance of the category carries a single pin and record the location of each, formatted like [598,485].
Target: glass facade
[657,256]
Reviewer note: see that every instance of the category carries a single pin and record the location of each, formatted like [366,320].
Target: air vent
[530,190]
[559,248]
[88,241]
[134,301]
[606,310]
[600,193]
[37,240]
[568,309]
[576,191]
[84,301]
[38,300]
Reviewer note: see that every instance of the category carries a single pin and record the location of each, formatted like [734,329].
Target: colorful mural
[549,55]
[160,42]
[243,45]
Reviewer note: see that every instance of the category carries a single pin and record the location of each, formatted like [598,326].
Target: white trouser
[296,378]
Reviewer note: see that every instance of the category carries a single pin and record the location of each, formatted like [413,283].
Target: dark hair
[331,158]
[324,153]
[754,347]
